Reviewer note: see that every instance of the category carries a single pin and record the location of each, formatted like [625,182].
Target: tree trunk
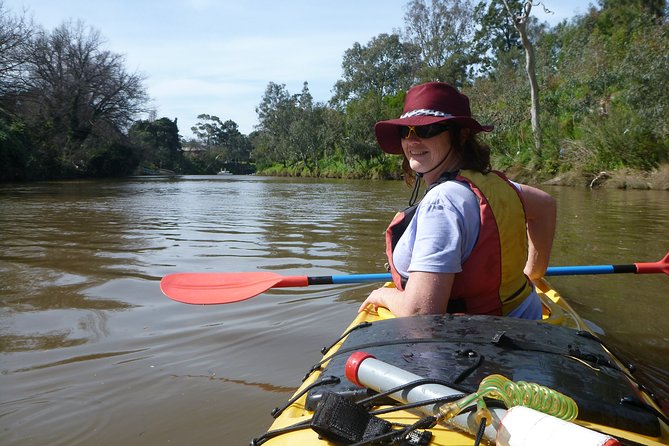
[520,23]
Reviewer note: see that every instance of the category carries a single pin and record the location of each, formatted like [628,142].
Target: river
[91,352]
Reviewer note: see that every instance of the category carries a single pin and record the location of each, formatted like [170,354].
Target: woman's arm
[425,293]
[541,213]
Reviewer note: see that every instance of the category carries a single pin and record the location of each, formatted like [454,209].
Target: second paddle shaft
[550,271]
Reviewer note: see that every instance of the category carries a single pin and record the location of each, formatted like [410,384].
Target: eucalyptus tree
[496,40]
[273,125]
[384,66]
[222,139]
[306,129]
[443,31]
[291,128]
[375,75]
[208,131]
[521,19]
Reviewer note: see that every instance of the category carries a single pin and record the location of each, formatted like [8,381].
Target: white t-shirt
[442,235]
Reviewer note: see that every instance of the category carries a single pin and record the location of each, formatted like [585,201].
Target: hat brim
[388,135]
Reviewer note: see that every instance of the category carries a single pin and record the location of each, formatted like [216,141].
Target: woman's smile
[428,155]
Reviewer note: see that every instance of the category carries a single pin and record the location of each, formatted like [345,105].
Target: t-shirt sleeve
[446,231]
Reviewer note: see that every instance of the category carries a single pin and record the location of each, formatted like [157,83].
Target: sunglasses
[422,131]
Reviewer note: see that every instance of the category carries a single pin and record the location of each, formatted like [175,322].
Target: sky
[218,56]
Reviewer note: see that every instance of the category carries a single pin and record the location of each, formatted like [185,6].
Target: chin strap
[416,188]
[419,176]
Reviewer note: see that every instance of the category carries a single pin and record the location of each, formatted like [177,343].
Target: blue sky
[217,57]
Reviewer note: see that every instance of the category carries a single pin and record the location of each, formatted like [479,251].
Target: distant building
[192,150]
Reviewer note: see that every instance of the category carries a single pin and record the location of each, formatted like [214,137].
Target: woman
[476,239]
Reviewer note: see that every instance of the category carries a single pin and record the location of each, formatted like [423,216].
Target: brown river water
[91,352]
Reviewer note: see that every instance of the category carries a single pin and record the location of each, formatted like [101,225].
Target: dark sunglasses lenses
[423,131]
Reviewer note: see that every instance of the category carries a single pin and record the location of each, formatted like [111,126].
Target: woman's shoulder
[451,189]
[452,194]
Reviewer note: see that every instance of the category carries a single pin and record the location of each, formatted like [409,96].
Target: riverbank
[657,179]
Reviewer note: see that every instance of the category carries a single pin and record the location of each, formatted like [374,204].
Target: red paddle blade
[654,267]
[217,288]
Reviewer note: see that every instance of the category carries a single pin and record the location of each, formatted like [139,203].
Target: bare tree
[78,82]
[15,32]
[520,21]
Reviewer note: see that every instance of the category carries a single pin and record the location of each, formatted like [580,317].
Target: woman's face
[429,156]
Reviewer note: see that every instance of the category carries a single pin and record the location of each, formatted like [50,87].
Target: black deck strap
[442,400]
[323,381]
[648,408]
[586,334]
[318,365]
[407,436]
[276,432]
[501,339]
[346,333]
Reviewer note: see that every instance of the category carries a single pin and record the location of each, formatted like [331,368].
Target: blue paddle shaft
[362,278]
[589,269]
[551,271]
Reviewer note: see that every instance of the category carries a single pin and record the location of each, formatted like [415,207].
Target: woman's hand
[380,296]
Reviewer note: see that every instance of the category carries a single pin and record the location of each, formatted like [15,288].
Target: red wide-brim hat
[427,104]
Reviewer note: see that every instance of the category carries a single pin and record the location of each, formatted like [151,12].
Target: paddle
[225,288]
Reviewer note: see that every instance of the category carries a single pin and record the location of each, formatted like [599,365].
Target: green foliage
[385,66]
[113,160]
[602,89]
[444,32]
[618,140]
[14,145]
[496,36]
[63,96]
[157,143]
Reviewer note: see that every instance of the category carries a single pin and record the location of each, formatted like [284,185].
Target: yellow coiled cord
[512,394]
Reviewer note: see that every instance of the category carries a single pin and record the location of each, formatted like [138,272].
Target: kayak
[568,386]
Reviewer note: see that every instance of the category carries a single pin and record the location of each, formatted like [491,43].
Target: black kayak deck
[462,350]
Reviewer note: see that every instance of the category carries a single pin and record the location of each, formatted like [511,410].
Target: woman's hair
[473,155]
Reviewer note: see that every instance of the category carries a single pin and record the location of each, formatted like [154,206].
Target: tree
[158,142]
[374,75]
[15,31]
[520,21]
[443,32]
[78,94]
[237,146]
[275,114]
[223,140]
[497,37]
[208,131]
[385,66]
